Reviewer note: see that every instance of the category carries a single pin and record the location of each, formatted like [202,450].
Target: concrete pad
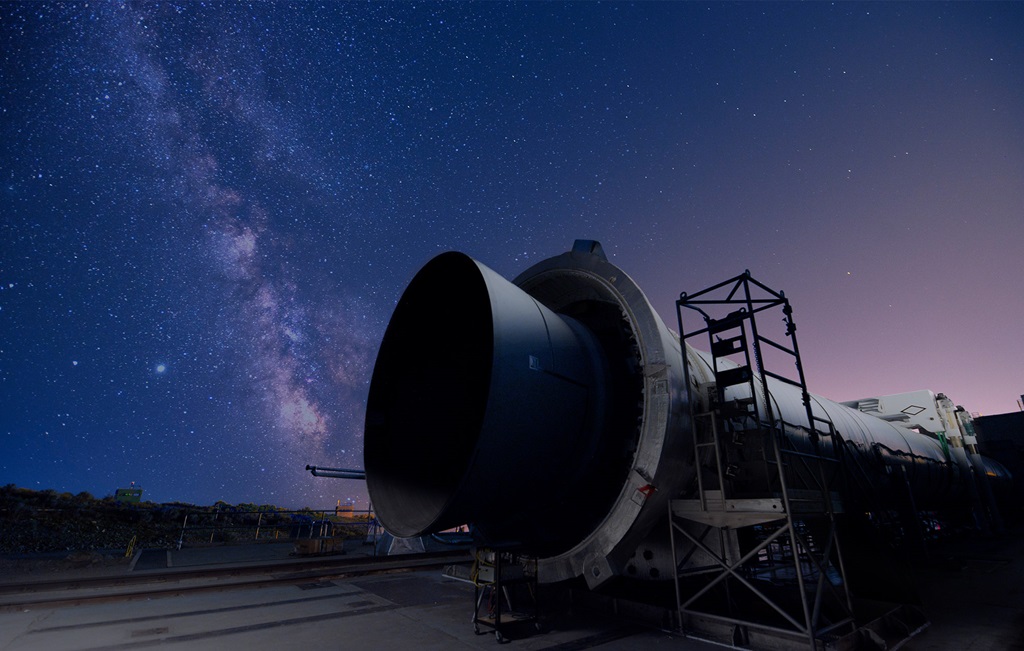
[972,591]
[420,610]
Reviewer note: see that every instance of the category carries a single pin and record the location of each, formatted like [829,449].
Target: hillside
[34,522]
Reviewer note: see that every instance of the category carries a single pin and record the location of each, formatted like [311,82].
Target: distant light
[161,368]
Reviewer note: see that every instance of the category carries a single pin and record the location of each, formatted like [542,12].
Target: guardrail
[205,527]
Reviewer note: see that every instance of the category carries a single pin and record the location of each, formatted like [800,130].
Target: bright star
[161,368]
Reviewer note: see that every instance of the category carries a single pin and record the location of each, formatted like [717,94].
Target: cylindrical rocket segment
[553,412]
[485,404]
[549,414]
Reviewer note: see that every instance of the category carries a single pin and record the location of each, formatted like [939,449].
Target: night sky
[210,210]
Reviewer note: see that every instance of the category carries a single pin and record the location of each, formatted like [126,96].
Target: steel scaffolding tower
[772,502]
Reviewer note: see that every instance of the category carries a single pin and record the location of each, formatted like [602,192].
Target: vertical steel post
[181,537]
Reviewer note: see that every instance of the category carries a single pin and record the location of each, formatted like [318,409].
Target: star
[251,205]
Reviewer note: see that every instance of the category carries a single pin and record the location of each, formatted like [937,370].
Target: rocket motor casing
[552,412]
[464,426]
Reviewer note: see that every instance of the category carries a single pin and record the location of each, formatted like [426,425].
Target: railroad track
[188,580]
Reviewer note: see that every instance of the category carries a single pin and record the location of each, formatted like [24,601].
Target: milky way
[284,364]
[210,210]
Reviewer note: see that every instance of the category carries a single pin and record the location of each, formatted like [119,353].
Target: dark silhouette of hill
[34,522]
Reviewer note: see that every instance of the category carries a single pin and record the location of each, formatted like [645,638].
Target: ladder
[766,487]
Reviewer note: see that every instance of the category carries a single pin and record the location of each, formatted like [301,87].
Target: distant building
[1001,437]
[132,495]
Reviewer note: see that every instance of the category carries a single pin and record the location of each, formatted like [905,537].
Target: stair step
[733,376]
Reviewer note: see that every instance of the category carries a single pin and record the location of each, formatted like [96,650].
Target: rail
[21,595]
[235,526]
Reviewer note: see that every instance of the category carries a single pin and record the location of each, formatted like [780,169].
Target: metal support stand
[494,573]
[776,504]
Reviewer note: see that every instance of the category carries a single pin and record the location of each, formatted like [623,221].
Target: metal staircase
[766,488]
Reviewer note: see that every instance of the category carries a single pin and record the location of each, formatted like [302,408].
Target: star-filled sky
[209,210]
